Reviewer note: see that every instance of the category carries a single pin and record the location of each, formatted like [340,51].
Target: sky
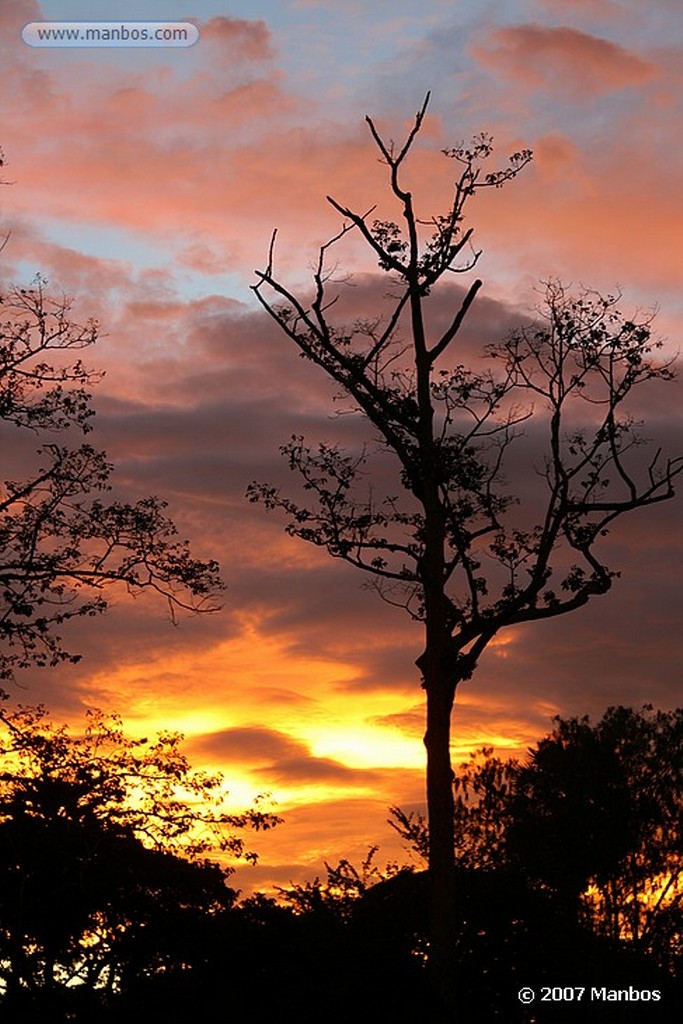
[146,184]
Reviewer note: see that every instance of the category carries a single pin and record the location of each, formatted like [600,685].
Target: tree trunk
[442,920]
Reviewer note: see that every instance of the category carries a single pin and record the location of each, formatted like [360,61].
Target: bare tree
[463,555]
[62,544]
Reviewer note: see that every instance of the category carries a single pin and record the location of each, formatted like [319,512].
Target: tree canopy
[104,847]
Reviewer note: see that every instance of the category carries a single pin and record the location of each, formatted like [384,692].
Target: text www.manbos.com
[109,33]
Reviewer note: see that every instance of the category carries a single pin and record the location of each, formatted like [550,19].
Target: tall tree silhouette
[448,540]
[61,544]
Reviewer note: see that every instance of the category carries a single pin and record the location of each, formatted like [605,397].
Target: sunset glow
[146,184]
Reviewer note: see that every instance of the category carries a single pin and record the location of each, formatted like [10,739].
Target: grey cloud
[220,428]
[253,744]
[277,758]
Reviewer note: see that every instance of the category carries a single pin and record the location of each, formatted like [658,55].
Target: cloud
[253,744]
[134,174]
[214,410]
[560,58]
[236,37]
[276,756]
[591,9]
[215,400]
[317,833]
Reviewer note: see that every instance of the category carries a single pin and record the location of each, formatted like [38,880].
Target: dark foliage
[104,879]
[597,815]
[142,931]
[592,819]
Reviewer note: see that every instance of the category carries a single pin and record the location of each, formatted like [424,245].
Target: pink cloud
[251,40]
[562,58]
[15,14]
[92,146]
[591,8]
[240,156]
[597,220]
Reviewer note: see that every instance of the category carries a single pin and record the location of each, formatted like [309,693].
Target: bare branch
[458,319]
